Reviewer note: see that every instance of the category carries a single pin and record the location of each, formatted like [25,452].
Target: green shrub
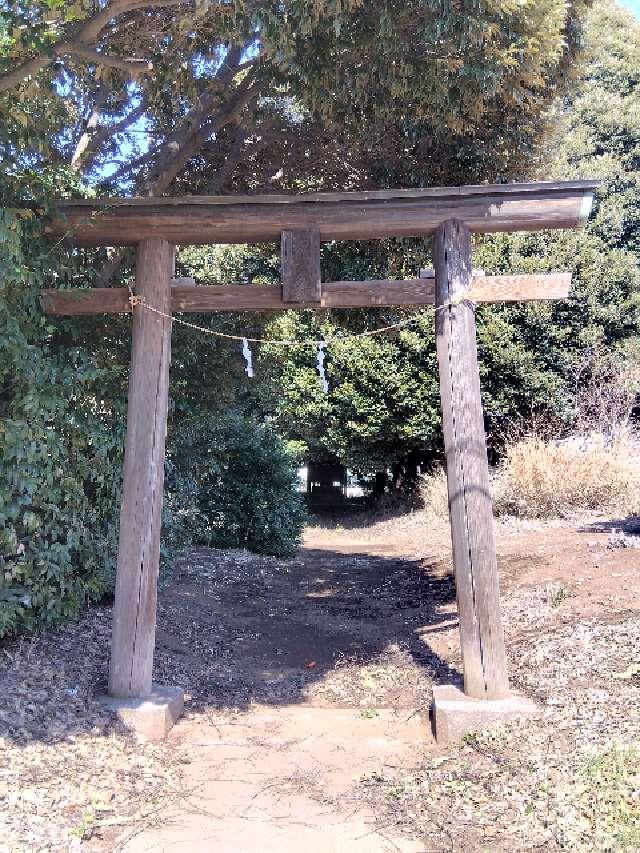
[62,419]
[232,483]
[60,447]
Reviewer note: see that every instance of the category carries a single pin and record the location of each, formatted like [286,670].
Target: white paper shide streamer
[321,373]
[246,352]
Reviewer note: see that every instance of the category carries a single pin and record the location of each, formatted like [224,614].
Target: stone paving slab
[281,780]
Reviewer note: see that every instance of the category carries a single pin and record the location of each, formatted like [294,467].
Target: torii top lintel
[337,216]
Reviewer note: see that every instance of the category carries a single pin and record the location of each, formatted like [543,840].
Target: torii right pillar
[486,698]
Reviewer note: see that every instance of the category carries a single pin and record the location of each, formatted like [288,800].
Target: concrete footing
[151,717]
[454,714]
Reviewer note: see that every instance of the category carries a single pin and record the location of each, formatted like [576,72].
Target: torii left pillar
[149,709]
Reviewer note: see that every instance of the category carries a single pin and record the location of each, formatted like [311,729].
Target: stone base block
[454,714]
[151,717]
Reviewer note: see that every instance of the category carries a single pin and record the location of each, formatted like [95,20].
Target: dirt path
[331,658]
[309,677]
[240,629]
[305,726]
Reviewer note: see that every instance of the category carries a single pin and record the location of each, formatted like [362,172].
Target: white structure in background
[354,489]
[303,476]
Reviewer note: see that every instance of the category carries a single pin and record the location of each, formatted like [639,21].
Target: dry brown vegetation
[548,478]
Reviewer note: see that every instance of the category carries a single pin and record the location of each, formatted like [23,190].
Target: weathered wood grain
[334,294]
[472,535]
[336,216]
[98,300]
[300,266]
[377,294]
[520,288]
[134,613]
[465,190]
[227,297]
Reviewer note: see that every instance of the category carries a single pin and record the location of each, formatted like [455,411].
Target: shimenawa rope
[139,300]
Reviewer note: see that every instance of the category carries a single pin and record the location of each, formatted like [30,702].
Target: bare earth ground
[308,684]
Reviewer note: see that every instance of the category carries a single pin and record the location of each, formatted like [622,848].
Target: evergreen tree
[382,410]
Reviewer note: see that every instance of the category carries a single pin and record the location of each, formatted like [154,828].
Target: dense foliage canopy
[210,96]
[382,411]
[533,355]
[60,446]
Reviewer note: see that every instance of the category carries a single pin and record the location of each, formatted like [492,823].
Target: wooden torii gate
[301,222]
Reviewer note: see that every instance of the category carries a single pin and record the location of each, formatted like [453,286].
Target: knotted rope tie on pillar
[135,300]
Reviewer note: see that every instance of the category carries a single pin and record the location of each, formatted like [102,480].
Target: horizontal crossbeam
[335,216]
[334,294]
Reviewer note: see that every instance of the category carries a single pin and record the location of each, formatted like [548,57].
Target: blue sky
[634,5]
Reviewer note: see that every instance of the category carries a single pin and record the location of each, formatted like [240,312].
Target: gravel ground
[66,768]
[569,781]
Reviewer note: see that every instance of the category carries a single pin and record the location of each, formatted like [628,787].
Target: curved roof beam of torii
[337,216]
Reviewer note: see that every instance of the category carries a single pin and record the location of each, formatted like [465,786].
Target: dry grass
[433,494]
[540,478]
[550,479]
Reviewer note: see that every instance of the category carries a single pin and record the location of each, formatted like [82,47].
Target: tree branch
[135,164]
[188,138]
[225,172]
[177,156]
[93,137]
[107,59]
[86,37]
[160,180]
[89,128]
[183,142]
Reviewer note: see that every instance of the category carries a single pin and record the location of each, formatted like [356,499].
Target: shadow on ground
[325,628]
[629,525]
[236,629]
[363,517]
